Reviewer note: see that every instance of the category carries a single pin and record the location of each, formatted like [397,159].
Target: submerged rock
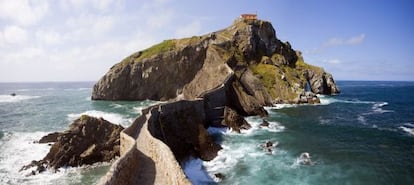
[305,159]
[264,123]
[88,140]
[219,176]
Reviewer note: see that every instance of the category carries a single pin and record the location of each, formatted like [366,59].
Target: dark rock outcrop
[52,137]
[235,121]
[88,140]
[321,82]
[264,123]
[181,125]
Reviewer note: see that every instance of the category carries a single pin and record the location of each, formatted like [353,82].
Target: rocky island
[213,80]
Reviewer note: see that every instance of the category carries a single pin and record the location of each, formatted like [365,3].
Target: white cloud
[337,41]
[189,30]
[87,27]
[160,18]
[355,40]
[23,12]
[48,37]
[14,35]
[332,61]
[80,40]
[106,4]
[24,56]
[334,42]
[87,5]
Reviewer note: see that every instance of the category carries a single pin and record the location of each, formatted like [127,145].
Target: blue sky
[79,40]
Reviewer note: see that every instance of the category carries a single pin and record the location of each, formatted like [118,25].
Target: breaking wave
[111,117]
[17,98]
[408,128]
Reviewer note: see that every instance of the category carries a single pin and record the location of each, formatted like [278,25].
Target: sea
[365,135]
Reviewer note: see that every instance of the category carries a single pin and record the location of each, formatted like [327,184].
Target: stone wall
[144,159]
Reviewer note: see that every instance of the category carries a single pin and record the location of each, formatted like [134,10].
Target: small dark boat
[13,94]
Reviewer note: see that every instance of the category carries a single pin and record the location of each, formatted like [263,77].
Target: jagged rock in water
[235,121]
[88,140]
[321,82]
[52,137]
[266,69]
[308,97]
[264,123]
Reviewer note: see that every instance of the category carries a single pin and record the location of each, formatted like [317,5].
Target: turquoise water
[40,108]
[365,135]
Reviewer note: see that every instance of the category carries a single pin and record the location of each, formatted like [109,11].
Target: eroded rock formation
[88,140]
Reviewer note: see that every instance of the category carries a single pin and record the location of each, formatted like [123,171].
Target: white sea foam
[22,90]
[274,127]
[282,106]
[408,128]
[409,125]
[36,89]
[217,130]
[326,100]
[17,98]
[77,89]
[111,117]
[228,157]
[145,104]
[237,154]
[115,105]
[377,107]
[232,155]
[255,122]
[19,149]
[196,172]
[361,118]
[138,109]
[303,159]
[323,121]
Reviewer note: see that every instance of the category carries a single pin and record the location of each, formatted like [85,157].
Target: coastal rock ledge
[214,80]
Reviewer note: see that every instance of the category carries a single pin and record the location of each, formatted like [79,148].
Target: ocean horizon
[365,135]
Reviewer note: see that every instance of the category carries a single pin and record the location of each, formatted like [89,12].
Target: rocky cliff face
[266,69]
